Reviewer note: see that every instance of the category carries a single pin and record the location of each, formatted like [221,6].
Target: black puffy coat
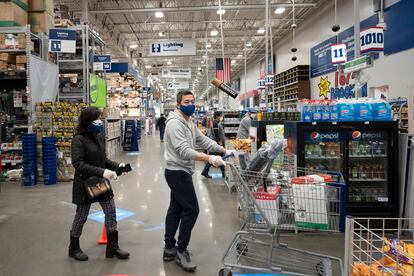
[89,159]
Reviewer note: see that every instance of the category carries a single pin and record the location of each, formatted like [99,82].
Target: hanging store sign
[146,90]
[338,53]
[178,73]
[62,41]
[173,47]
[358,64]
[372,40]
[101,63]
[177,85]
[269,80]
[261,84]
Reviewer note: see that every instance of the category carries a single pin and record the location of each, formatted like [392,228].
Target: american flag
[223,71]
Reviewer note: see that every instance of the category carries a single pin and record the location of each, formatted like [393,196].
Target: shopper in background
[148,125]
[161,126]
[181,137]
[246,122]
[89,160]
[216,133]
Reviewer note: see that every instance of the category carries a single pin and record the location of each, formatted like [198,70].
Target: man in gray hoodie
[181,137]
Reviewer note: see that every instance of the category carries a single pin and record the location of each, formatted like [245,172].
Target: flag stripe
[223,70]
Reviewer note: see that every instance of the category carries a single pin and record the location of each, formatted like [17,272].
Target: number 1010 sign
[338,53]
[372,40]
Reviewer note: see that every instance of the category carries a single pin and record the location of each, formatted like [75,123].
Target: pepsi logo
[356,135]
[314,135]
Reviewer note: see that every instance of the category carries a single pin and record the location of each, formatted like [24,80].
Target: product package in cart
[268,202]
[310,202]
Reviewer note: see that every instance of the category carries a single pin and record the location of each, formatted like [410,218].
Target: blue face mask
[188,110]
[95,127]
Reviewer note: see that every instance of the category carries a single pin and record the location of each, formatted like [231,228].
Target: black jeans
[183,210]
[162,130]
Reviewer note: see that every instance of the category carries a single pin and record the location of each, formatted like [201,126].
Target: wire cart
[379,246]
[285,198]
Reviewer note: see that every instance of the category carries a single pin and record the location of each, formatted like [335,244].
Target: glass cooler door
[368,166]
[323,150]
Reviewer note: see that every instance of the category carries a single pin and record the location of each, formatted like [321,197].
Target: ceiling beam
[198,8]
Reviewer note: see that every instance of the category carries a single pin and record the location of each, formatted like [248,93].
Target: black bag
[95,187]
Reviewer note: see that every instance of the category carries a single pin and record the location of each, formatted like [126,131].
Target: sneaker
[205,174]
[169,254]
[183,259]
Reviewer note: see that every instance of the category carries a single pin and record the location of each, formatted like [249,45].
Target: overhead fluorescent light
[221,11]
[280,10]
[133,46]
[204,56]
[169,62]
[208,45]
[161,34]
[214,33]
[261,31]
[148,66]
[198,73]
[248,44]
[199,68]
[233,61]
[240,55]
[159,14]
[202,62]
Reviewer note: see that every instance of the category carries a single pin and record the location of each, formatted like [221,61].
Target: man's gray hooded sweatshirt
[180,140]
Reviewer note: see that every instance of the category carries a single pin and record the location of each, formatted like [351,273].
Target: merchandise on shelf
[345,110]
[13,13]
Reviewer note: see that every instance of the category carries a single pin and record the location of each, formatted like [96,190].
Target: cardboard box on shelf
[3,66]
[21,59]
[13,13]
[8,58]
[41,6]
[21,41]
[40,22]
[20,66]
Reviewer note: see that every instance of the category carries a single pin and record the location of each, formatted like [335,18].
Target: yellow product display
[242,144]
[404,250]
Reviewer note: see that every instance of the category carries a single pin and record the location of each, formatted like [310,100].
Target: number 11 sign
[338,53]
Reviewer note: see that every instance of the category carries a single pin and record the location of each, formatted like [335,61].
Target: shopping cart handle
[227,156]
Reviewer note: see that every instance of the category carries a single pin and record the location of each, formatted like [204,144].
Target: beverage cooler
[366,153]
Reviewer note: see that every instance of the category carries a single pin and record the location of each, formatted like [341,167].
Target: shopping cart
[285,199]
[379,246]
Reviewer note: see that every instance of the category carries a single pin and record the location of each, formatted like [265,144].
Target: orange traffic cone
[103,239]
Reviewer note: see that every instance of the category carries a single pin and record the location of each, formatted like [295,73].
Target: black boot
[205,174]
[112,248]
[75,251]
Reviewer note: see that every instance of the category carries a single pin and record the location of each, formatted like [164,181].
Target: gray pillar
[85,10]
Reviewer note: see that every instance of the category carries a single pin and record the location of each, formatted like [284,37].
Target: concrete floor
[35,223]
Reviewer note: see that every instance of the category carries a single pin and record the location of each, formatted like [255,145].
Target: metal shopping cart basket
[285,199]
[379,246]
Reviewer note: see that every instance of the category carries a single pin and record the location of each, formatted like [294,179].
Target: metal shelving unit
[88,43]
[290,86]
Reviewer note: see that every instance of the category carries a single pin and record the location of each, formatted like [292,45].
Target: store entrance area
[34,229]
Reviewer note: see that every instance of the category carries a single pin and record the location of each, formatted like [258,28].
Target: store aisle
[35,222]
[34,235]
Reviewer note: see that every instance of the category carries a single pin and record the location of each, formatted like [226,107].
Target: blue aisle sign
[372,40]
[102,63]
[121,214]
[62,41]
[321,60]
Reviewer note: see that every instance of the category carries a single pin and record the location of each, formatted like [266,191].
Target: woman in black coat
[89,160]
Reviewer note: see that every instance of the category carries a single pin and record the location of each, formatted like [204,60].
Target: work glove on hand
[216,161]
[121,165]
[108,174]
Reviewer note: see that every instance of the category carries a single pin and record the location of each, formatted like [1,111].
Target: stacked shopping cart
[49,158]
[282,197]
[29,159]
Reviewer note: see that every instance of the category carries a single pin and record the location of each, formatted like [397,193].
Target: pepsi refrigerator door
[368,158]
[323,150]
[372,169]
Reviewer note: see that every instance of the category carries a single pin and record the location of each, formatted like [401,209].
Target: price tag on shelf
[367,122]
[13,163]
[314,123]
[334,123]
